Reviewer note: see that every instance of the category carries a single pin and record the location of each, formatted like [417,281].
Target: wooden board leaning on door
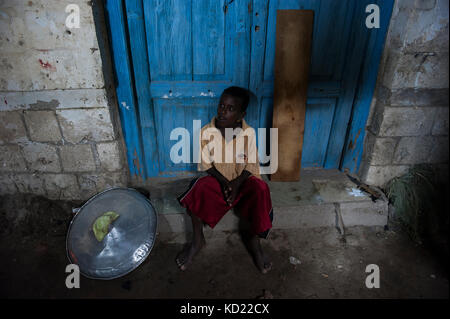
[292,60]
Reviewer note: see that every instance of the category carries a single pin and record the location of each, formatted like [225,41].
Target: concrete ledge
[174,223]
[364,213]
[319,215]
[322,215]
[294,217]
[323,198]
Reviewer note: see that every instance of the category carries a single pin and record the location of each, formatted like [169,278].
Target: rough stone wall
[59,133]
[408,123]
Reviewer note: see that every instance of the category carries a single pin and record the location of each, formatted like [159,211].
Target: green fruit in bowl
[101,224]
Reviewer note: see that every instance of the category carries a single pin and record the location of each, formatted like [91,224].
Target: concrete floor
[33,261]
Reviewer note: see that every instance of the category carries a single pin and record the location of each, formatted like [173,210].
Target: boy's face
[229,112]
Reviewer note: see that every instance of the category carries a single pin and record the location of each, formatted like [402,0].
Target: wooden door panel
[168,28]
[331,25]
[318,119]
[327,78]
[173,59]
[208,36]
[331,39]
[196,50]
[172,114]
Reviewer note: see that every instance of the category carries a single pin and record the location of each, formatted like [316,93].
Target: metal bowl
[127,244]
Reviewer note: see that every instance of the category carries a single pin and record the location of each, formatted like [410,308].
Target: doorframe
[139,163]
[354,141]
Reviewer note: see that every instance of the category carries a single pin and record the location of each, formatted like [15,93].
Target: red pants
[204,199]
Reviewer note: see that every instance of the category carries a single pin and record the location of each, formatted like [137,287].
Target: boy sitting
[233,179]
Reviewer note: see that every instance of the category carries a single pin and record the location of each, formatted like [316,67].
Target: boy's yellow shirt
[216,151]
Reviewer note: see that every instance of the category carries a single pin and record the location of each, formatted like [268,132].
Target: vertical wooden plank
[292,62]
[138,46]
[366,85]
[124,88]
[275,5]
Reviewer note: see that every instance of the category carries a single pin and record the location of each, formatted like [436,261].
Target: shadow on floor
[307,263]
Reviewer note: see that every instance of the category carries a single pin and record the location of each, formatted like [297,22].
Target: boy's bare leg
[261,260]
[185,257]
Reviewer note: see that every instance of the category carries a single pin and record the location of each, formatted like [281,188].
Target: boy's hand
[230,189]
[224,183]
[232,195]
[233,190]
[226,189]
[235,184]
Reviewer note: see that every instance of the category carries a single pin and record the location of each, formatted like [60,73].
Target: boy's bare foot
[261,260]
[186,256]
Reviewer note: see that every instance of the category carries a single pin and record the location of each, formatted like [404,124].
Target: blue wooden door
[183,53]
[196,49]
[338,49]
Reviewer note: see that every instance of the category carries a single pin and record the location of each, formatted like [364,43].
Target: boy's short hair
[240,93]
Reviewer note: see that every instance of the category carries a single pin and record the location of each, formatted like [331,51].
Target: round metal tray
[127,244]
